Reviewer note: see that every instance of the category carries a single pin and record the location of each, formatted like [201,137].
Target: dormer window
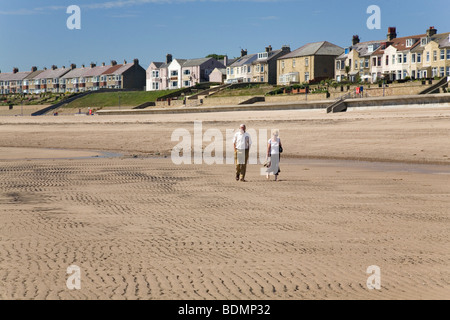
[370,48]
[409,43]
[347,50]
[424,41]
[263,55]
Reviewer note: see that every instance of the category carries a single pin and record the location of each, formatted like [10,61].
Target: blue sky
[34,33]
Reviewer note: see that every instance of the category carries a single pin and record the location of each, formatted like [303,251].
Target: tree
[216,56]
[347,71]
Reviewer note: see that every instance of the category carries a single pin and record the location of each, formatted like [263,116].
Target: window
[257,68]
[428,56]
[43,81]
[186,72]
[413,58]
[306,76]
[262,79]
[387,60]
[409,43]
[232,71]
[282,64]
[442,54]
[434,72]
[155,86]
[187,83]
[374,61]
[361,63]
[338,65]
[228,71]
[370,48]
[306,62]
[448,54]
[393,59]
[262,68]
[356,64]
[448,71]
[405,74]
[174,73]
[366,63]
[405,58]
[424,42]
[399,74]
[419,58]
[379,61]
[174,84]
[434,55]
[293,63]
[238,70]
[249,69]
[399,58]
[442,72]
[263,55]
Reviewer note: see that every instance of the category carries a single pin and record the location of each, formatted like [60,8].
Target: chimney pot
[33,69]
[93,65]
[15,70]
[125,62]
[54,67]
[355,40]
[431,32]
[136,61]
[113,62]
[392,33]
[73,66]
[103,64]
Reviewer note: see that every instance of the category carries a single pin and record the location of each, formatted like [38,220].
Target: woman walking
[274,149]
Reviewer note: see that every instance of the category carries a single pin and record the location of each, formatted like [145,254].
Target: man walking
[242,143]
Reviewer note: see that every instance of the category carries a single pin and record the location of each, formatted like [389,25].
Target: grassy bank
[112,99]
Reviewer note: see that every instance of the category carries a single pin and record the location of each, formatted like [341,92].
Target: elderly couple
[242,144]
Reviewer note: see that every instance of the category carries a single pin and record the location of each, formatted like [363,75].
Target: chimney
[125,62]
[169,58]
[392,33]
[33,69]
[103,64]
[73,66]
[225,61]
[45,68]
[355,40]
[113,62]
[15,70]
[243,52]
[93,65]
[136,62]
[54,67]
[286,48]
[269,49]
[82,66]
[431,32]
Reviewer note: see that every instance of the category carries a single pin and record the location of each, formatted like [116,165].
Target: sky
[35,33]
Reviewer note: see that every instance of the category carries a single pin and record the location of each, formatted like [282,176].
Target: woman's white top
[274,146]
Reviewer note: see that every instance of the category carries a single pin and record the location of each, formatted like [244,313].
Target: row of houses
[73,79]
[394,58]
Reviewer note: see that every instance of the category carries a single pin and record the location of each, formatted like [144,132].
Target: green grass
[111,99]
[258,90]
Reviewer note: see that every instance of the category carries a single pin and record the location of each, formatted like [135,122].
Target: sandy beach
[362,188]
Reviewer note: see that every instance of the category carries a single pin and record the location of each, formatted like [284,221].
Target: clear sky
[34,33]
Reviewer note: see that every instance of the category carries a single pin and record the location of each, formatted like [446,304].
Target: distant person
[242,143]
[274,149]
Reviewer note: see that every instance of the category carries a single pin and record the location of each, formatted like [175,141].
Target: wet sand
[140,227]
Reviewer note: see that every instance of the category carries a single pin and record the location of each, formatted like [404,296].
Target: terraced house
[48,80]
[313,61]
[356,61]
[417,56]
[258,67]
[12,82]
[180,73]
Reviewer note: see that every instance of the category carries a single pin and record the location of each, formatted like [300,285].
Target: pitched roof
[245,60]
[34,74]
[444,42]
[323,48]
[75,73]
[400,43]
[195,62]
[120,70]
[158,64]
[10,76]
[222,70]
[51,74]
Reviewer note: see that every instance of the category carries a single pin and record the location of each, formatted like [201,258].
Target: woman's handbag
[281,148]
[267,163]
